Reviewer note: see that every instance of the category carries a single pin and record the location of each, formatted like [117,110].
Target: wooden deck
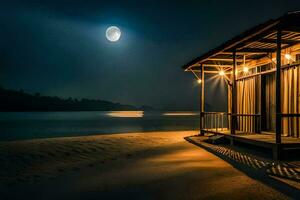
[266,140]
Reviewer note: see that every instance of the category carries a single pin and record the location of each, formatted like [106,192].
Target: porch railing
[248,123]
[220,121]
[216,121]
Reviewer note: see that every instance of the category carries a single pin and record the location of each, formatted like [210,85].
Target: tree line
[18,100]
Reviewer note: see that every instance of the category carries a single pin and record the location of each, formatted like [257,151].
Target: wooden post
[278,86]
[263,108]
[233,95]
[202,99]
[202,90]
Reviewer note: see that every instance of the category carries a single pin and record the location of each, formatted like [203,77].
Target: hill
[13,100]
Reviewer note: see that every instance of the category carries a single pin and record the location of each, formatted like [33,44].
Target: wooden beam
[254,38]
[290,115]
[259,62]
[202,100]
[240,53]
[256,50]
[294,29]
[278,87]
[251,37]
[268,71]
[224,59]
[274,41]
[257,74]
[209,65]
[215,65]
[193,71]
[291,65]
[211,72]
[200,105]
[233,95]
[263,109]
[202,91]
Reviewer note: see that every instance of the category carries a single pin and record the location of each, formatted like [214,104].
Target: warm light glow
[199,81]
[236,72]
[221,73]
[245,69]
[288,56]
[179,114]
[134,114]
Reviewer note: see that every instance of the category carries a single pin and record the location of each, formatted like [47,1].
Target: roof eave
[239,39]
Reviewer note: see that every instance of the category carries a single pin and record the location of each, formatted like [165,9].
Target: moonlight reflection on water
[126,114]
[180,114]
[29,125]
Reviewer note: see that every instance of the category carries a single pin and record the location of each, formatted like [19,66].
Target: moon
[113,33]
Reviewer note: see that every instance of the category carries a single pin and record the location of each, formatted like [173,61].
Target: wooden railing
[290,124]
[216,121]
[248,123]
[290,115]
[220,121]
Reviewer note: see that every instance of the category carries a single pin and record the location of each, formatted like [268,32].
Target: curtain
[248,102]
[290,100]
[229,105]
[270,106]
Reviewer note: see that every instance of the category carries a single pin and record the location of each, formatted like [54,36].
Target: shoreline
[155,165]
[27,160]
[24,126]
[99,134]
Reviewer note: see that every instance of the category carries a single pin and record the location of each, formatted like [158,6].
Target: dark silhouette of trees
[12,100]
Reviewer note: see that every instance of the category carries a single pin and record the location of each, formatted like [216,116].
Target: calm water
[28,125]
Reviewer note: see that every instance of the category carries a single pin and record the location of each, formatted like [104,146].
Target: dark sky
[58,47]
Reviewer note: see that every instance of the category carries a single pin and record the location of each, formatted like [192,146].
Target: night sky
[59,48]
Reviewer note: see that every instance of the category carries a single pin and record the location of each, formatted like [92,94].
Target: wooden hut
[261,68]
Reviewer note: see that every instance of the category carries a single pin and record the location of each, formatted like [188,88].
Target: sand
[154,165]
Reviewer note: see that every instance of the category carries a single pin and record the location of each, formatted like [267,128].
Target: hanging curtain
[229,105]
[290,100]
[270,92]
[248,102]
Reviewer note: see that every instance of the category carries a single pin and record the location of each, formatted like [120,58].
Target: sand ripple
[47,158]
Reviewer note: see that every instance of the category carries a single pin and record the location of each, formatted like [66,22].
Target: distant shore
[19,100]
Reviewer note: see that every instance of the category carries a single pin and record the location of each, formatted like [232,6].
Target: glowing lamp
[221,73]
[245,69]
[288,56]
[199,81]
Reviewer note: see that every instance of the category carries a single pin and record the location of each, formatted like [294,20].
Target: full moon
[113,33]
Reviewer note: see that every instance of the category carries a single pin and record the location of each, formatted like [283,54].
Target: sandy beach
[153,165]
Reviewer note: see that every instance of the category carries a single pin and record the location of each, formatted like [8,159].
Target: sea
[32,125]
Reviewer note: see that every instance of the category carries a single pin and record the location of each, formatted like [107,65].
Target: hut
[261,69]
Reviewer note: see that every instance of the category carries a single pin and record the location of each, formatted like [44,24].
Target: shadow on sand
[253,162]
